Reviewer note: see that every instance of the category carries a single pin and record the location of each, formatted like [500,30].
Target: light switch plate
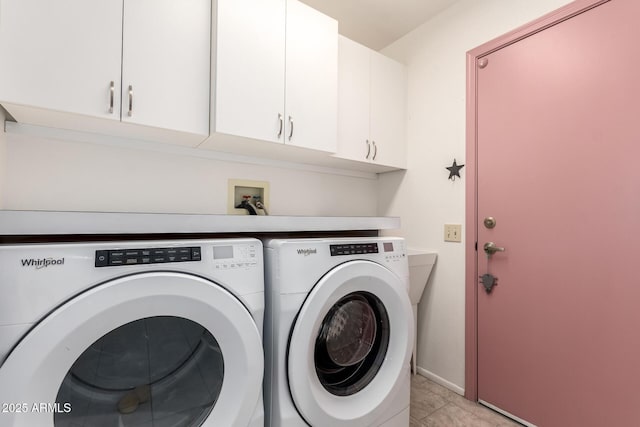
[453,232]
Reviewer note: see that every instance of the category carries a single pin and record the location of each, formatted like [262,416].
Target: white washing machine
[338,333]
[146,333]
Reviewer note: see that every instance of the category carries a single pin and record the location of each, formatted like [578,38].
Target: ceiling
[378,23]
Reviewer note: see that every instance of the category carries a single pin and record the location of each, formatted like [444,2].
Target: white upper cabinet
[388,111]
[371,106]
[311,82]
[166,63]
[354,100]
[69,64]
[248,68]
[274,76]
[61,55]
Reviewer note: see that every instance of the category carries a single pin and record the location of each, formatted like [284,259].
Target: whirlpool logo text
[42,262]
[307,252]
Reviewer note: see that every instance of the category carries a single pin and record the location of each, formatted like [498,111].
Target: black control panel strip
[118,257]
[354,249]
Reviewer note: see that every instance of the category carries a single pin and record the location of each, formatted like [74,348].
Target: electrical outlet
[453,233]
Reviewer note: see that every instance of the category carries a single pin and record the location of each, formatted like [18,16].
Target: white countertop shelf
[78,223]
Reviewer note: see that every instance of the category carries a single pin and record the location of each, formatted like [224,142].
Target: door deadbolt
[489,222]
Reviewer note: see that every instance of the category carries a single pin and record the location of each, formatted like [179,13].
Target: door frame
[471,237]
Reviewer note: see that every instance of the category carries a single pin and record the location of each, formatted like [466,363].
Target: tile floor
[435,406]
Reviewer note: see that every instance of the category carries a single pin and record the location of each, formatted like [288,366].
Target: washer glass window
[161,370]
[352,343]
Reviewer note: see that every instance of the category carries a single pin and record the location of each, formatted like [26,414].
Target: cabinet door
[353,100]
[311,78]
[61,55]
[249,68]
[388,110]
[166,61]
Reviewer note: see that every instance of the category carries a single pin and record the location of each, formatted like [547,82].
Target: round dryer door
[350,346]
[151,349]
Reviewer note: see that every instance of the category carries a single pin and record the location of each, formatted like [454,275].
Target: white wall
[43,174]
[423,196]
[3,160]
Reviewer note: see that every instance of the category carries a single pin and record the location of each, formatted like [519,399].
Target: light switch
[453,233]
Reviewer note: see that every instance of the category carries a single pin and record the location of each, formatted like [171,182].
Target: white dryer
[146,333]
[338,333]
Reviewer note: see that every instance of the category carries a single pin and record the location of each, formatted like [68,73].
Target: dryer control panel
[119,257]
[235,256]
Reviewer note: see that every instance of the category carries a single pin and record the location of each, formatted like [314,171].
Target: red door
[558,168]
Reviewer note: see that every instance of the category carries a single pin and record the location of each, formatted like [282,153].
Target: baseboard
[439,380]
[506,414]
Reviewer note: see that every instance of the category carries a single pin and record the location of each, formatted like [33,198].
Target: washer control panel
[354,249]
[119,257]
[393,253]
[235,256]
[389,249]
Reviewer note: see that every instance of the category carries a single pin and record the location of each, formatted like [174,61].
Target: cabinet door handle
[112,88]
[368,149]
[281,119]
[375,150]
[130,113]
[291,128]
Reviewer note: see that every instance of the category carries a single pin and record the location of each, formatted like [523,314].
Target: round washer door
[350,346]
[148,349]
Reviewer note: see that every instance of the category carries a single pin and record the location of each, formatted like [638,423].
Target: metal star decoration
[454,170]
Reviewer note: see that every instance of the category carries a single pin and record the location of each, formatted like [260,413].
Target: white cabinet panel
[63,64]
[311,78]
[249,62]
[61,55]
[353,100]
[275,78]
[371,106]
[388,110]
[166,61]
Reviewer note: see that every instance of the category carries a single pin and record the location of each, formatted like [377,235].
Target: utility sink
[420,266]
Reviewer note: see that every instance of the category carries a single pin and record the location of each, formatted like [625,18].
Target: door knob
[490,248]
